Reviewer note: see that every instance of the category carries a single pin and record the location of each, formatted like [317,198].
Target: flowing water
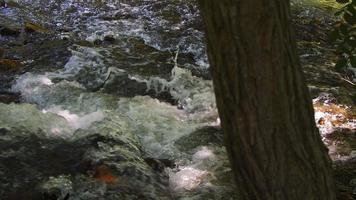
[128,115]
[116,104]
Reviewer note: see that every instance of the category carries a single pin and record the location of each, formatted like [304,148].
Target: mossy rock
[321,4]
[201,137]
[32,27]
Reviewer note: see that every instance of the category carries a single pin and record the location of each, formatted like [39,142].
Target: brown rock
[104,174]
[8,65]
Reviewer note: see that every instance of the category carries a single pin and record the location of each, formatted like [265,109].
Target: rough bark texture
[264,105]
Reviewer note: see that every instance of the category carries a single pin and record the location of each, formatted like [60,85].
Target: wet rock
[24,142]
[32,27]
[124,86]
[11,4]
[36,53]
[43,53]
[8,65]
[204,136]
[104,173]
[341,143]
[109,39]
[84,43]
[8,31]
[119,82]
[35,157]
[159,165]
[56,188]
[2,52]
[8,97]
[97,42]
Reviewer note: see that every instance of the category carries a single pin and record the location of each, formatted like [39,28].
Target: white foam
[30,85]
[194,94]
[75,121]
[188,178]
[204,153]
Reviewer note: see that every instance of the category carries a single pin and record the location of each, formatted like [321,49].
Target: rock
[104,173]
[57,188]
[31,27]
[160,164]
[9,31]
[97,42]
[204,136]
[2,52]
[12,4]
[7,97]
[7,65]
[39,156]
[341,142]
[109,39]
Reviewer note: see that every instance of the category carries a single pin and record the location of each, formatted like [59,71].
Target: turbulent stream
[123,116]
[116,103]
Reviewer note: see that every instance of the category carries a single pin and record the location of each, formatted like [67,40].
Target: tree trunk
[266,112]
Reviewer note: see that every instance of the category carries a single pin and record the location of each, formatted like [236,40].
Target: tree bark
[266,112]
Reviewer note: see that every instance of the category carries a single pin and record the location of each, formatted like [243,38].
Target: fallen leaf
[104,174]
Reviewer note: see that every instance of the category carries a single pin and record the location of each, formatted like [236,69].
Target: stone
[109,39]
[10,65]
[8,97]
[8,31]
[2,52]
[32,27]
[203,136]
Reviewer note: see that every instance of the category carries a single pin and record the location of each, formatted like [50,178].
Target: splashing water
[127,43]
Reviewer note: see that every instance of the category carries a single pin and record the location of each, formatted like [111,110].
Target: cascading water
[121,119]
[116,103]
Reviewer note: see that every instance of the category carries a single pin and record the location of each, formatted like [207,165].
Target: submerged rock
[35,147]
[7,65]
[8,97]
[201,137]
[9,31]
[32,27]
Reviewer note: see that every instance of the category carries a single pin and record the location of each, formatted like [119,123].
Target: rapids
[117,103]
[131,102]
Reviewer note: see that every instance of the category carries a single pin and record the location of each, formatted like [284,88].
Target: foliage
[344,35]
